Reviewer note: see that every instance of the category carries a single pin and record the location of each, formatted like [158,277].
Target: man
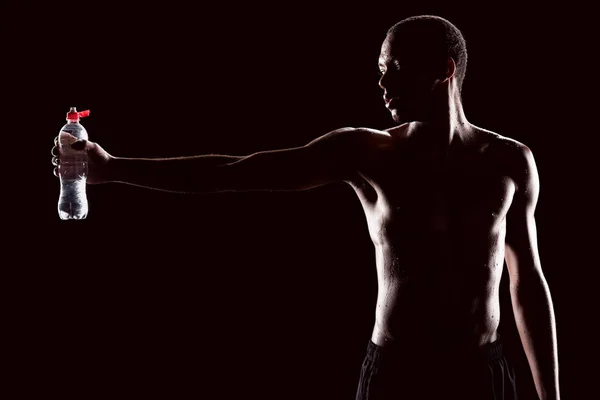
[446,203]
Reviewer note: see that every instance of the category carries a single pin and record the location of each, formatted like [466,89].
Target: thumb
[79,144]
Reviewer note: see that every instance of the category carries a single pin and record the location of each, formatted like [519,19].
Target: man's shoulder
[357,138]
[364,133]
[504,139]
[513,156]
[505,146]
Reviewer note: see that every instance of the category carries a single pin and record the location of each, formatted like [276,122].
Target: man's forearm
[195,174]
[534,316]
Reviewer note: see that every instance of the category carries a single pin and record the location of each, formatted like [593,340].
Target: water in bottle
[72,168]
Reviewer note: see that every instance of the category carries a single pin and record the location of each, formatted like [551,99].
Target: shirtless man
[446,202]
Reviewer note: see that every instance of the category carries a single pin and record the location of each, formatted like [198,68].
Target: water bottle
[72,169]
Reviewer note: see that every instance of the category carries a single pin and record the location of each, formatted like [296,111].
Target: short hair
[433,39]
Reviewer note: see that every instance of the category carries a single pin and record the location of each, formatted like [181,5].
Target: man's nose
[387,79]
[381,81]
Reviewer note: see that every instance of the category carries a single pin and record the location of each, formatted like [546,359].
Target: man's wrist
[112,170]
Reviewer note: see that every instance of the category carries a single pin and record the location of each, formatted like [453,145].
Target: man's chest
[432,196]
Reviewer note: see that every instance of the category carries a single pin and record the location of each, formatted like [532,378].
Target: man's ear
[450,69]
[446,75]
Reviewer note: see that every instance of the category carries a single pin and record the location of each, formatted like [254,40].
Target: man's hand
[98,158]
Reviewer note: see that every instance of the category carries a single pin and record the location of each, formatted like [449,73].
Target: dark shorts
[442,373]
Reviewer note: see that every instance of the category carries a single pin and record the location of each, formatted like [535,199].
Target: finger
[55,161]
[55,172]
[68,136]
[52,152]
[79,144]
[56,141]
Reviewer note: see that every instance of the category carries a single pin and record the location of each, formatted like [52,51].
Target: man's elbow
[529,286]
[232,178]
[217,179]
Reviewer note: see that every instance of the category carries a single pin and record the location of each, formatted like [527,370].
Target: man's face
[407,81]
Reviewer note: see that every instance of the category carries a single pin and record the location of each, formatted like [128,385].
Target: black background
[269,295]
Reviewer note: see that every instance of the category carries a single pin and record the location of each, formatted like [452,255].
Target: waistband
[488,352]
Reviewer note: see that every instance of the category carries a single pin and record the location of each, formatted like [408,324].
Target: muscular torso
[438,225]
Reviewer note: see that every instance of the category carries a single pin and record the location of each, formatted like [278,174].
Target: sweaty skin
[437,222]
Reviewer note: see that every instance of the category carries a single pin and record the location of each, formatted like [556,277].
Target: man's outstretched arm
[330,158]
[530,295]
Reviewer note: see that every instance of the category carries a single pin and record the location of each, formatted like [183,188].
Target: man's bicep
[325,160]
[521,250]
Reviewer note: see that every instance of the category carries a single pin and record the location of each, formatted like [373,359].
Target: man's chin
[400,118]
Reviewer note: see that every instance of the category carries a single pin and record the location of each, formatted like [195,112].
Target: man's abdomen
[447,304]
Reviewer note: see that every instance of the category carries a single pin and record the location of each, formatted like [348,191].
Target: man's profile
[446,203]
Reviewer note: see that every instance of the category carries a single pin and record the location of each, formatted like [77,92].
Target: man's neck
[447,126]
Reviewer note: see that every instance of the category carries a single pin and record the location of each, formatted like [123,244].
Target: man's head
[421,57]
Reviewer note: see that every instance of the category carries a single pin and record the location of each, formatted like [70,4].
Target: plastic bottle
[72,169]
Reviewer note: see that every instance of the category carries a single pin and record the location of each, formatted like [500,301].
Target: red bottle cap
[74,115]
